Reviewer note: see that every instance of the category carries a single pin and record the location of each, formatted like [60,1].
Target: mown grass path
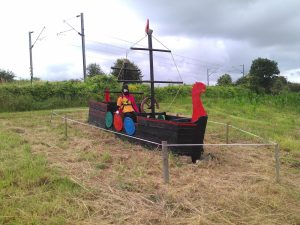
[94,178]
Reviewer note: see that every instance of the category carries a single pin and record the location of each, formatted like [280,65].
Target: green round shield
[108,119]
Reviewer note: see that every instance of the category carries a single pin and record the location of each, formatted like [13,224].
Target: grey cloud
[249,29]
[296,74]
[266,23]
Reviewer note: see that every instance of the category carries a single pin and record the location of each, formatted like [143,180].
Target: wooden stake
[227,133]
[165,156]
[277,162]
[51,116]
[66,128]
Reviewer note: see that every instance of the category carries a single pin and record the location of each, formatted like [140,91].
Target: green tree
[293,87]
[279,83]
[6,76]
[262,72]
[224,80]
[94,69]
[243,81]
[124,69]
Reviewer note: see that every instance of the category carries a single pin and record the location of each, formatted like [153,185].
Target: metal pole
[165,157]
[151,72]
[125,71]
[243,70]
[277,162]
[227,133]
[83,46]
[207,77]
[30,54]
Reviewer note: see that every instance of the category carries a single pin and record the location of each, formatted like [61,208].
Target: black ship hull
[173,129]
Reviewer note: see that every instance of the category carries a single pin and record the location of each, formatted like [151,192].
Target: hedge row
[51,95]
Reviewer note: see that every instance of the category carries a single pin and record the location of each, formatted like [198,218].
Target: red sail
[198,109]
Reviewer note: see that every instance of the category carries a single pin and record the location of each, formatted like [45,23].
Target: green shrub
[52,95]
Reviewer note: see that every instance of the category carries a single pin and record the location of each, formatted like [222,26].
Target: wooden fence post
[165,156]
[66,128]
[277,162]
[51,116]
[227,133]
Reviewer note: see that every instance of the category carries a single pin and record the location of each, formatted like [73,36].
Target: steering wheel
[146,105]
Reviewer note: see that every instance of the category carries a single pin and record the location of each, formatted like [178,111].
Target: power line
[72,28]
[185,57]
[186,60]
[144,53]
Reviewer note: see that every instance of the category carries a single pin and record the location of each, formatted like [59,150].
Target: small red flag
[147,27]
[107,95]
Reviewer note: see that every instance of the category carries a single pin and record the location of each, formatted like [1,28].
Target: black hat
[125,88]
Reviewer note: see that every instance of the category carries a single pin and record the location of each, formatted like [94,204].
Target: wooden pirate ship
[153,126]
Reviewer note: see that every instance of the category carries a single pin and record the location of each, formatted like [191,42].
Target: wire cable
[38,36]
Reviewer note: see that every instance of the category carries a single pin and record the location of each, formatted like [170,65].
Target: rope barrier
[164,145]
[216,122]
[247,132]
[71,110]
[110,131]
[175,145]
[244,131]
[233,144]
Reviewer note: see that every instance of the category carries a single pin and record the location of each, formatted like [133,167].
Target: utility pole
[207,76]
[83,45]
[82,41]
[30,52]
[30,55]
[243,70]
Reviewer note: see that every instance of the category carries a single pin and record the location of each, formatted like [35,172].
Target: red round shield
[118,122]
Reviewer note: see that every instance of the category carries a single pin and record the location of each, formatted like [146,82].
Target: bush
[52,95]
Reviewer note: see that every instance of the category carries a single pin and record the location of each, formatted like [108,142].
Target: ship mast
[149,33]
[152,80]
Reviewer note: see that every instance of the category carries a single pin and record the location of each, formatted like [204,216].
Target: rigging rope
[169,107]
[138,41]
[123,62]
[127,52]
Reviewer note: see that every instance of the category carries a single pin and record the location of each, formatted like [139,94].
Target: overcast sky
[203,35]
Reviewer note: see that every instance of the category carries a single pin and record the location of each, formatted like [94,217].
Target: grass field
[92,177]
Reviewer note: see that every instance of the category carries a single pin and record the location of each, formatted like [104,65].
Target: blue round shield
[129,126]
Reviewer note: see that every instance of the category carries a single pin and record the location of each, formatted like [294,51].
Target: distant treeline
[53,95]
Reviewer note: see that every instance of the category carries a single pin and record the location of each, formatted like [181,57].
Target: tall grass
[30,192]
